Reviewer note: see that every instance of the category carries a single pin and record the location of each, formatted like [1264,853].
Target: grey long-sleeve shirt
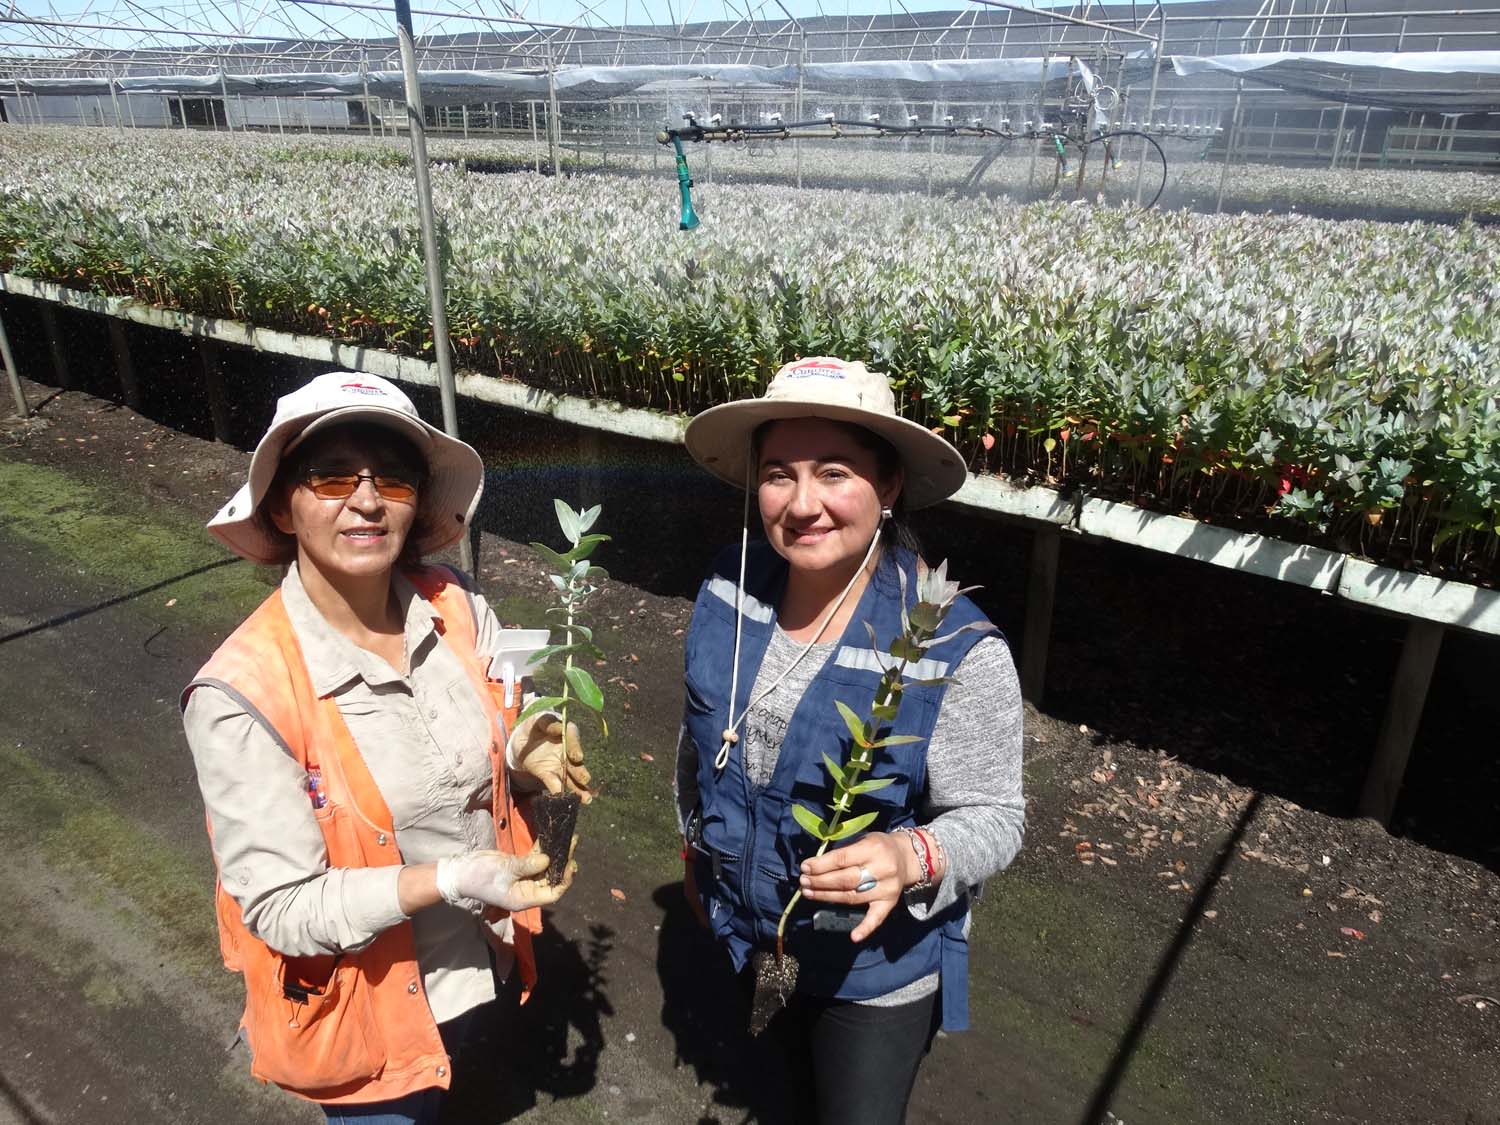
[974,802]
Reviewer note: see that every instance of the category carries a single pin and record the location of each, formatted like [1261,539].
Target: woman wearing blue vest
[780,630]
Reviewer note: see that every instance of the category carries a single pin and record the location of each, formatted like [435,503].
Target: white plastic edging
[1413,595]
[1298,564]
[1421,595]
[992,494]
[649,425]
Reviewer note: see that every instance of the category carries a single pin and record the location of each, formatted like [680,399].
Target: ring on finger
[867,881]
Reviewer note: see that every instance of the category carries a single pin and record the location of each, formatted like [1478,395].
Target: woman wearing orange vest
[360,770]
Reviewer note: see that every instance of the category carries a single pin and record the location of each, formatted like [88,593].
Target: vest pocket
[309,1022]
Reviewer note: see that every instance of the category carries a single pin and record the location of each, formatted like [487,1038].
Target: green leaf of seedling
[885,713]
[903,649]
[586,545]
[541,703]
[870,786]
[559,582]
[926,616]
[597,574]
[851,826]
[852,721]
[583,631]
[567,519]
[586,519]
[547,652]
[835,770]
[897,740]
[810,821]
[584,687]
[971,627]
[936,681]
[552,558]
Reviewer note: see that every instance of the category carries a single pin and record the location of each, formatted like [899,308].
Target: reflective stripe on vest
[356,1027]
[752,845]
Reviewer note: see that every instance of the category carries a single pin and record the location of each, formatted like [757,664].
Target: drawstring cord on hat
[731,735]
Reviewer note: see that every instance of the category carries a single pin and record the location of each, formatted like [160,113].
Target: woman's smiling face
[360,535]
[820,493]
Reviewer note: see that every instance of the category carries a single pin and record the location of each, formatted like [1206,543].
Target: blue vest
[750,847]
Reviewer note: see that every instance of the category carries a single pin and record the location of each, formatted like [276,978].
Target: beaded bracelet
[940,867]
[919,849]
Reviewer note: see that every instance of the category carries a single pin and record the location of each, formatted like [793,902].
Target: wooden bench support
[130,386]
[56,348]
[12,375]
[213,381]
[1041,587]
[1403,713]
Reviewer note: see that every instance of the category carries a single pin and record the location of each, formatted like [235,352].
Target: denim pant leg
[421,1107]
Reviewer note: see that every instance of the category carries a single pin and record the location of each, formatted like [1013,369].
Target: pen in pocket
[315,786]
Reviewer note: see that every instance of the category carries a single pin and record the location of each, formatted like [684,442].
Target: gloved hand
[539,750]
[511,882]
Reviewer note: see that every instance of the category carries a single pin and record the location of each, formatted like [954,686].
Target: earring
[886,514]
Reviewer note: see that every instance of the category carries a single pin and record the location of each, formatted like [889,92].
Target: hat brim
[719,440]
[447,501]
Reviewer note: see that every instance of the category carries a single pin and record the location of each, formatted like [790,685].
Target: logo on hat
[361,389]
[815,367]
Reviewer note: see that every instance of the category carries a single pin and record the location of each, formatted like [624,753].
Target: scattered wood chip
[1350,931]
[617,894]
[1337,953]
[645,757]
[171,602]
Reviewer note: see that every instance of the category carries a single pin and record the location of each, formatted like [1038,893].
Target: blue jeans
[421,1107]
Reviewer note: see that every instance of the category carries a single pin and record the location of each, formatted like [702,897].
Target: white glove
[511,882]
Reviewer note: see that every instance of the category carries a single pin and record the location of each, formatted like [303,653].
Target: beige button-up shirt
[425,739]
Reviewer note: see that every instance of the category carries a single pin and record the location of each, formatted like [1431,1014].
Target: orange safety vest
[352,1027]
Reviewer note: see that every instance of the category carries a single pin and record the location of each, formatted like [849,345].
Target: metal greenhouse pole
[22,409]
[417,125]
[1140,172]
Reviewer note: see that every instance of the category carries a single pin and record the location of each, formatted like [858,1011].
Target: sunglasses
[341,486]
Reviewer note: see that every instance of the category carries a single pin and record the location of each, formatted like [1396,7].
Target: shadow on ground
[551,1050]
[708,1015]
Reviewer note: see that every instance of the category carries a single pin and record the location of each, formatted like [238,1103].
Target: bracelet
[940,868]
[927,850]
[919,849]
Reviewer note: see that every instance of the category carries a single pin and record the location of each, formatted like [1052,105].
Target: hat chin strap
[731,734]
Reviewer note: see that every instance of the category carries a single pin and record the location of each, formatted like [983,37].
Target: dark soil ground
[1194,931]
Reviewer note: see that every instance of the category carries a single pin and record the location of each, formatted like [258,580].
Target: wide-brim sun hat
[446,500]
[841,391]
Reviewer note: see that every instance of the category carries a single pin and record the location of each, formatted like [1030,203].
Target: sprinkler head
[716,119]
[827,117]
[947,119]
[875,117]
[911,118]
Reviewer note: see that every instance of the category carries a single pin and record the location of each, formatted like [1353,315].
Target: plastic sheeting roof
[974,78]
[1434,81]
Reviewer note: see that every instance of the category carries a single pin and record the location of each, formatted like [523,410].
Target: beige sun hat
[449,495]
[839,390]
